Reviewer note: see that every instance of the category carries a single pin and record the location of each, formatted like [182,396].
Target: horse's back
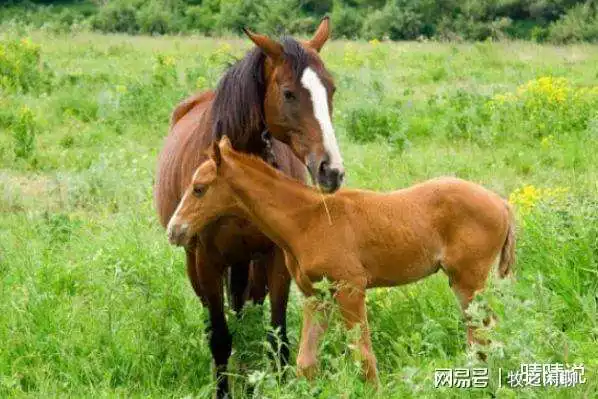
[182,152]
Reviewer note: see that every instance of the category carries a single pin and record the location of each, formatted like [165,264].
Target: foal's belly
[402,274]
[399,266]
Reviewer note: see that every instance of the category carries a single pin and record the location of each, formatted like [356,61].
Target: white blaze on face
[319,99]
[174,217]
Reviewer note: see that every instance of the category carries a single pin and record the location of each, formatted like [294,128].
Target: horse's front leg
[315,322]
[279,283]
[210,278]
[351,302]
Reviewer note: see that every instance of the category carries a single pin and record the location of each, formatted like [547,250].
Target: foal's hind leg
[467,278]
[353,310]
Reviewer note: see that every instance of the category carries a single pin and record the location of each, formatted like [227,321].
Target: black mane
[238,107]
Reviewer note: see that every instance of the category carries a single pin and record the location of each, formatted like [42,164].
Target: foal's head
[207,198]
[298,103]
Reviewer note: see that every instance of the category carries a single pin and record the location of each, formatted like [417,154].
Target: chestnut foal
[358,238]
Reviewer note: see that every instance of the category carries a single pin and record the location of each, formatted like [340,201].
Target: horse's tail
[507,254]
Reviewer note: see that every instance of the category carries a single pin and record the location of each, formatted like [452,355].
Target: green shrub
[370,123]
[155,18]
[21,68]
[579,24]
[543,108]
[24,133]
[347,21]
[200,19]
[117,16]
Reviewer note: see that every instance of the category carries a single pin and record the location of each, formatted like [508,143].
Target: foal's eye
[288,95]
[198,190]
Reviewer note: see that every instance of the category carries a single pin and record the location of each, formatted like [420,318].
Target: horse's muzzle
[330,178]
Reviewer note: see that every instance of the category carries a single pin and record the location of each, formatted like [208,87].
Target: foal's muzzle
[177,234]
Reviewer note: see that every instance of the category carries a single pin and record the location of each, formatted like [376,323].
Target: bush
[24,133]
[154,18]
[545,107]
[21,68]
[370,123]
[347,21]
[117,16]
[579,24]
[200,19]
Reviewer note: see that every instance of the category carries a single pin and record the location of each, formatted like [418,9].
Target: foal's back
[408,234]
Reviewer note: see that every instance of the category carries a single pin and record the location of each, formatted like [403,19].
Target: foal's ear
[271,47]
[225,143]
[216,155]
[321,36]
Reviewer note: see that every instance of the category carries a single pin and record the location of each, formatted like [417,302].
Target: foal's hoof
[482,356]
[308,372]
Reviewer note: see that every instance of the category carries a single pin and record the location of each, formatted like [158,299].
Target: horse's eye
[288,95]
[198,190]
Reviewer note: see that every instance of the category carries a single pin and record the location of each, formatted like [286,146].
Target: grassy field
[95,303]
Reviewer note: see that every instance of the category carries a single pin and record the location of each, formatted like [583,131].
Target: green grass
[94,302]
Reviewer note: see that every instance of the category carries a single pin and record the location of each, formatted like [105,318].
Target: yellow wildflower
[121,89]
[547,141]
[169,61]
[527,197]
[200,83]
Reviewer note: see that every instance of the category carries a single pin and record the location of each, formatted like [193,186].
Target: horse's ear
[216,155]
[321,36]
[272,48]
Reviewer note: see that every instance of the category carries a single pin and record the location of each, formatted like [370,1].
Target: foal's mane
[238,107]
[251,161]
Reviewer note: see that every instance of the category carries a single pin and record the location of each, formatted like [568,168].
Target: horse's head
[298,103]
[207,198]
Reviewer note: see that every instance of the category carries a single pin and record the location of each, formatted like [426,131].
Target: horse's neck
[274,204]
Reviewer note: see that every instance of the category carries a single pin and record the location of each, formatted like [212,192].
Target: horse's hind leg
[353,310]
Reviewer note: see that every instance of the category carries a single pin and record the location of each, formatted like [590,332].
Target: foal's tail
[507,254]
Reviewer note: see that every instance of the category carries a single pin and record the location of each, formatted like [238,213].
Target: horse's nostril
[324,167]
[341,176]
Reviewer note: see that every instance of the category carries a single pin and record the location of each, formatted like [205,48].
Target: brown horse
[360,239]
[279,87]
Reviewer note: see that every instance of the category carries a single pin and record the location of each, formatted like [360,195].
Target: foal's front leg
[315,323]
[352,306]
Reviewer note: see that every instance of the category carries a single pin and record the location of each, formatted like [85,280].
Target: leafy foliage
[554,20]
